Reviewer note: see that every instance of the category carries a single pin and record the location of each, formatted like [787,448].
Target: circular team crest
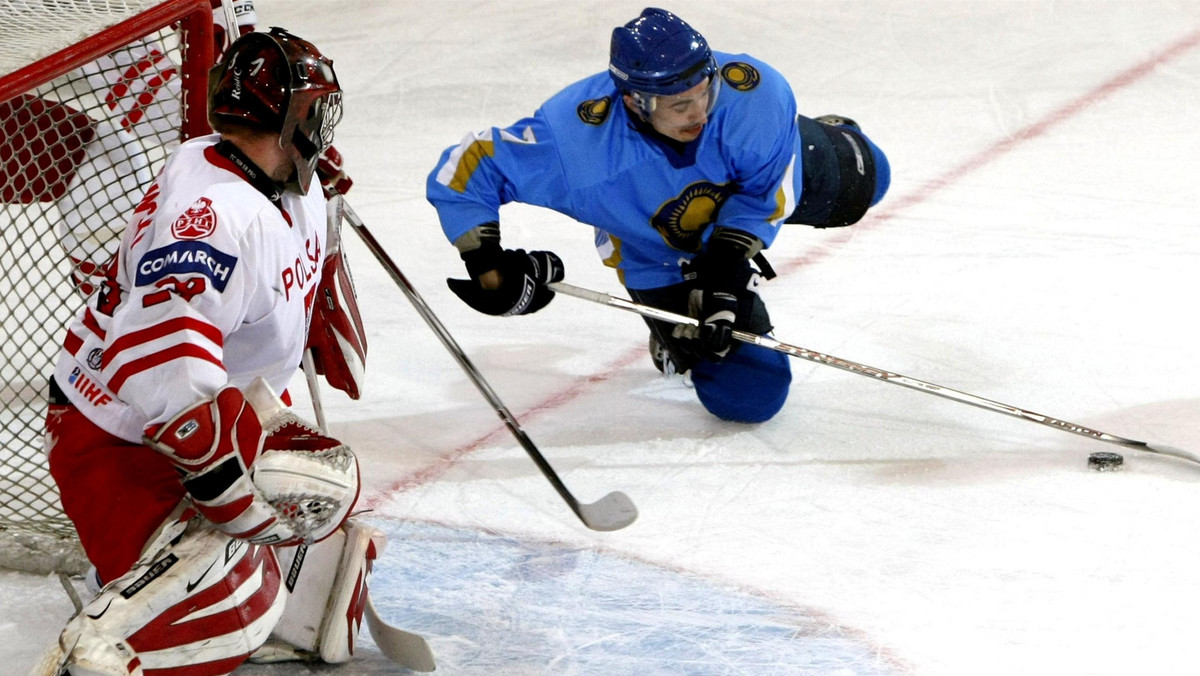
[595,111]
[95,359]
[741,76]
[682,220]
[198,222]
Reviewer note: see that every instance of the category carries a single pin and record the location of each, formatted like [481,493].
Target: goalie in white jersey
[175,459]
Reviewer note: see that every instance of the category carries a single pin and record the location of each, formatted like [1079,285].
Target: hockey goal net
[94,94]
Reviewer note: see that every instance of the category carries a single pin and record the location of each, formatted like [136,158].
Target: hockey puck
[1106,462]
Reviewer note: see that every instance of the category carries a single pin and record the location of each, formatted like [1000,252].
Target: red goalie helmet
[279,82]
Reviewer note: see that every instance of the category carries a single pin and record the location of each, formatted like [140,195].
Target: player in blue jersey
[686,162]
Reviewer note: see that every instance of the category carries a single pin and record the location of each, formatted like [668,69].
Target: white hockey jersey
[212,285]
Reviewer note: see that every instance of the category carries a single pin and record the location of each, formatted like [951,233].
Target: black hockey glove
[714,301]
[522,279]
[716,311]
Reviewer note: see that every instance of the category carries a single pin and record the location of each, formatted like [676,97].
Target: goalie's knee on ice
[750,385]
[199,600]
[88,649]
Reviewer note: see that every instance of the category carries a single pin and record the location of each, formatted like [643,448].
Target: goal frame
[195,69]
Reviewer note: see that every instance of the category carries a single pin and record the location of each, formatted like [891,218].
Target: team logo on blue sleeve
[182,258]
[741,76]
[595,111]
[682,220]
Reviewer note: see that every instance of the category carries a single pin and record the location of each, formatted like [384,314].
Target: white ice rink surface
[1038,247]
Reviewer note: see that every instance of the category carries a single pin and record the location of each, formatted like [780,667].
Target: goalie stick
[879,374]
[405,648]
[611,512]
[314,389]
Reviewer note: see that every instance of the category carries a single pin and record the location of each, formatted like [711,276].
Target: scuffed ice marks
[491,604]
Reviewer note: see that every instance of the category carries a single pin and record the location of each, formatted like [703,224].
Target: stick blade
[404,648]
[611,512]
[1164,449]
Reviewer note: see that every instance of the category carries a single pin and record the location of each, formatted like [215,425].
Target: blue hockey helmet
[659,54]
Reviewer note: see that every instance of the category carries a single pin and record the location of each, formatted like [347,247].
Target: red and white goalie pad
[199,602]
[327,588]
[256,471]
[336,336]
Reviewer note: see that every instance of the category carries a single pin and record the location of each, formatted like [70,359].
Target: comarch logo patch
[183,258]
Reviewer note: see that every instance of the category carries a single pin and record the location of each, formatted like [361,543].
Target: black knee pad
[839,175]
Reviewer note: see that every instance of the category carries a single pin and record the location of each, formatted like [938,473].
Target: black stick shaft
[879,374]
[612,512]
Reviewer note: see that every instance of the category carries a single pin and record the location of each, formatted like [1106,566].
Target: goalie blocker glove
[336,335]
[256,471]
[332,173]
[522,280]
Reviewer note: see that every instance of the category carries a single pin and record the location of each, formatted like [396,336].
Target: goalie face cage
[85,125]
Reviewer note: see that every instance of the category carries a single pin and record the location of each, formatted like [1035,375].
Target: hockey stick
[878,374]
[611,512]
[314,389]
[407,649]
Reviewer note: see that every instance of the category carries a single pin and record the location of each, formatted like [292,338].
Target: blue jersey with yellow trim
[652,205]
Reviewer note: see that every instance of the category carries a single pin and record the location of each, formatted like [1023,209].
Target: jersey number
[185,289]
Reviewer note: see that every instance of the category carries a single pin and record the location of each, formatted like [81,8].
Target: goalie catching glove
[256,470]
[504,282]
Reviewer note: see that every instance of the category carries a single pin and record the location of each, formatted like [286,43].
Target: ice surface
[1038,247]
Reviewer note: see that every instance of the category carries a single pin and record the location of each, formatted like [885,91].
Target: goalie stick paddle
[878,374]
[405,648]
[612,512]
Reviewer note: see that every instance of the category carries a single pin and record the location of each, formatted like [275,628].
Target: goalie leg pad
[198,605]
[327,587]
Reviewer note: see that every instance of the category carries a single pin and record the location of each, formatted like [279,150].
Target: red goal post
[93,97]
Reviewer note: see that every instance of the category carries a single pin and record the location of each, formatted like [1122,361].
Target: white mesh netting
[76,154]
[34,29]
